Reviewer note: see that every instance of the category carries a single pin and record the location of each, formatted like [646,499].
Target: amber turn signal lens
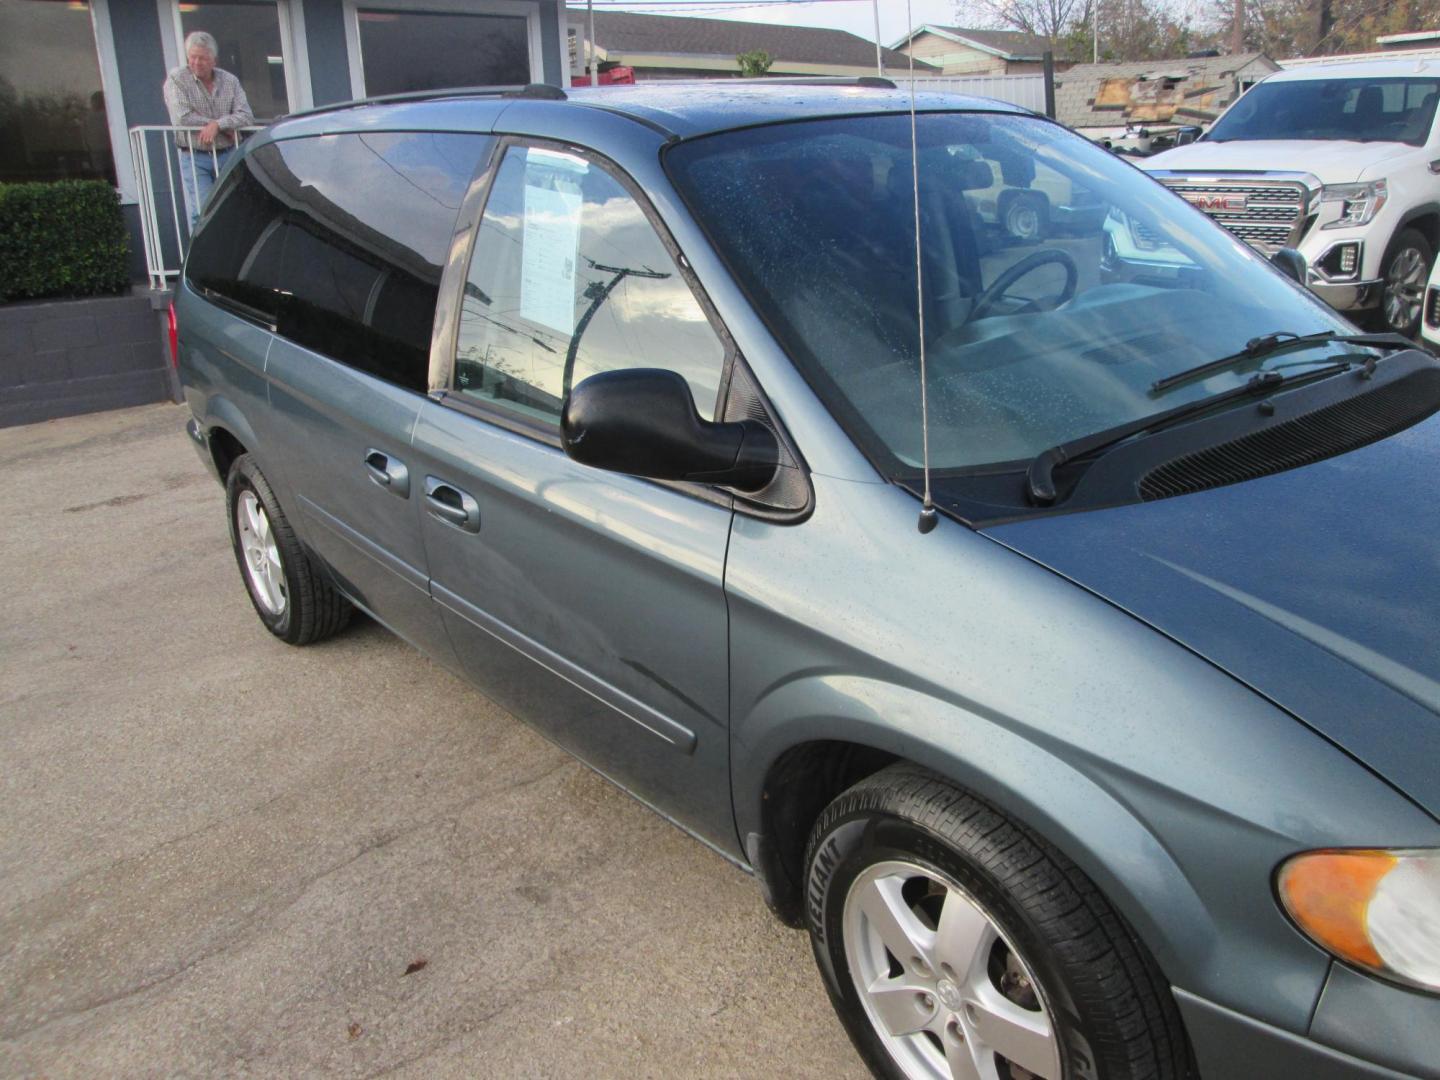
[1328,894]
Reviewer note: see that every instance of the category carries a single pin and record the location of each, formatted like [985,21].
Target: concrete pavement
[221,855]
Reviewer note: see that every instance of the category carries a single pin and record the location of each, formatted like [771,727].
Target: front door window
[569,278]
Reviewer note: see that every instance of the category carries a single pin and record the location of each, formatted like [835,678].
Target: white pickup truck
[1342,162]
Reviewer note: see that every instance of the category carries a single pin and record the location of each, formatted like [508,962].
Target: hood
[1337,162]
[1318,587]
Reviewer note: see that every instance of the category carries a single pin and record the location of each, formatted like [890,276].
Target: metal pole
[149,216]
[879,57]
[590,39]
[174,143]
[1050,84]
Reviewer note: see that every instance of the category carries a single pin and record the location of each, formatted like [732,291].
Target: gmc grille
[1274,217]
[1432,308]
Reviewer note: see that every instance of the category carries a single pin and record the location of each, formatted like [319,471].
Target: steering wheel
[991,296]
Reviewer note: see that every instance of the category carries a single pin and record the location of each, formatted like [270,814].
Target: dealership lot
[222,854]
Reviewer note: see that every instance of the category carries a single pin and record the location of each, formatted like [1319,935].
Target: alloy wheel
[949,995]
[263,567]
[1405,288]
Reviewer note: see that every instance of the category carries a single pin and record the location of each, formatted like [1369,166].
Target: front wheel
[1404,275]
[954,943]
[1025,219]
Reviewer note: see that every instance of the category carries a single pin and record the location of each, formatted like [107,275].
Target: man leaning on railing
[200,95]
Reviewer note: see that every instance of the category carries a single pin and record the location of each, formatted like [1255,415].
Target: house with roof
[958,50]
[1418,46]
[1102,100]
[684,47]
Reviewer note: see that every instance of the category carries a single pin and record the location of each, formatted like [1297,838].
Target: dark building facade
[77,75]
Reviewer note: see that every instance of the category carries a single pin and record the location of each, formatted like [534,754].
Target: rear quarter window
[338,242]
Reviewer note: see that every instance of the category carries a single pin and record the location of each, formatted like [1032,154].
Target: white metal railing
[160,178]
[1027,91]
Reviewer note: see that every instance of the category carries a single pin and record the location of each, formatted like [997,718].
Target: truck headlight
[1359,203]
[1378,910]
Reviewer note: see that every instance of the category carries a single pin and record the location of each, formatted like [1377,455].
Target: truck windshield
[1358,110]
[1060,282]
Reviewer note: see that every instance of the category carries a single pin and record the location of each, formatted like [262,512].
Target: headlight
[1378,910]
[1359,203]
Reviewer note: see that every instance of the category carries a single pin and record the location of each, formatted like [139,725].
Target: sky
[857,16]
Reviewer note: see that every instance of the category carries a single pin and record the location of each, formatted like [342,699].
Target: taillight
[174,339]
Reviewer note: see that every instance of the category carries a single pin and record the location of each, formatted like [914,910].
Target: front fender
[1176,789]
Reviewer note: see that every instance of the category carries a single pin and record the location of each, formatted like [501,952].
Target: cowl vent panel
[1335,429]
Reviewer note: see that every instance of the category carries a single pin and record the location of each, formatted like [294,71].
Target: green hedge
[65,238]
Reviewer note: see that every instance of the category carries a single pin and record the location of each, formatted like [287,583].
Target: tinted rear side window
[339,241]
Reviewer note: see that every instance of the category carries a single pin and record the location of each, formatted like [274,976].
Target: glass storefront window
[52,110]
[407,51]
[248,34]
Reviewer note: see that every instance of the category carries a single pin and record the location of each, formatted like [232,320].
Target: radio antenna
[928,518]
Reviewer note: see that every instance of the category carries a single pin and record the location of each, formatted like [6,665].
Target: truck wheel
[954,942]
[291,594]
[1405,273]
[1025,219]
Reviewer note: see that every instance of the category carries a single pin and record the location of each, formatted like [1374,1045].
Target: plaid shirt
[191,105]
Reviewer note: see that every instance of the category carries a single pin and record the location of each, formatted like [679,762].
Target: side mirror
[642,421]
[975,176]
[1291,263]
[1187,135]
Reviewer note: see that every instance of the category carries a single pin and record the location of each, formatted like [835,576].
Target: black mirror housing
[1187,135]
[1291,263]
[643,421]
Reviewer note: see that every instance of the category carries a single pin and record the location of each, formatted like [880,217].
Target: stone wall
[64,357]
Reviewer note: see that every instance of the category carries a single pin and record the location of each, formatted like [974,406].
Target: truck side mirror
[1187,135]
[1290,263]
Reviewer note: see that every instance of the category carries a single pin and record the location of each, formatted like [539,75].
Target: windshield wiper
[1040,480]
[1282,341]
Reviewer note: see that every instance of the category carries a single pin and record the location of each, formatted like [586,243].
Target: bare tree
[1049,19]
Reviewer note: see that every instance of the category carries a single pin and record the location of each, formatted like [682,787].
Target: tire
[1011,947]
[1025,219]
[289,590]
[1405,271]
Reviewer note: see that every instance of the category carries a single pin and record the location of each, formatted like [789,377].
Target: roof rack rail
[533,90]
[538,91]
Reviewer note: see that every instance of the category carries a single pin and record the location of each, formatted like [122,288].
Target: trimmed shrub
[65,238]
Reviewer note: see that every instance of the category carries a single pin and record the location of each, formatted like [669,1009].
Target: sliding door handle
[390,473]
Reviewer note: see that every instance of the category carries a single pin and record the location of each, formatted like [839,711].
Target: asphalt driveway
[220,854]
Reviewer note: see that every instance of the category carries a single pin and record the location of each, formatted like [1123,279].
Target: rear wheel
[1404,275]
[290,592]
[954,943]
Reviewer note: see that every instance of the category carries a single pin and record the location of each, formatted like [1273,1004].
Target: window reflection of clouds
[644,320]
[396,167]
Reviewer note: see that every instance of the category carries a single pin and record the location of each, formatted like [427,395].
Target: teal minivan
[1053,637]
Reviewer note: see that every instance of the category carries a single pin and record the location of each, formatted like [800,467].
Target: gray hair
[203,40]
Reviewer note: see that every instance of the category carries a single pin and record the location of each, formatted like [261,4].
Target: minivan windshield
[1358,110]
[1060,283]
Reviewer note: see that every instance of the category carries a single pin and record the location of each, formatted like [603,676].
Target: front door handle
[390,473]
[451,505]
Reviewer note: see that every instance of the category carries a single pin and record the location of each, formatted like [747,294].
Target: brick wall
[64,357]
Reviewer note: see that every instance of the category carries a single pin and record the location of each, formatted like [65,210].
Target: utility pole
[1237,28]
[879,59]
[590,34]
